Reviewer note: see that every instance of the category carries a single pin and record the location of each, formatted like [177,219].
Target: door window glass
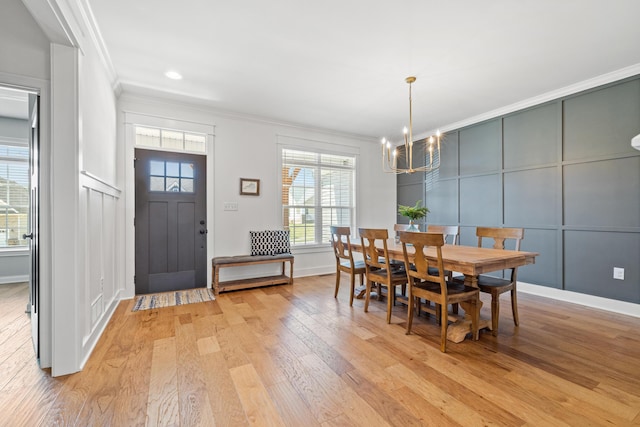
[171,177]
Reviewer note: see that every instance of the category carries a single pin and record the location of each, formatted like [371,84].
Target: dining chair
[496,286]
[435,288]
[341,243]
[378,270]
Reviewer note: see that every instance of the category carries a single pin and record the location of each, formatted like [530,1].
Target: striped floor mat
[168,299]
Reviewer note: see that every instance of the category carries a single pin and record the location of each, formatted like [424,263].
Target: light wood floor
[296,356]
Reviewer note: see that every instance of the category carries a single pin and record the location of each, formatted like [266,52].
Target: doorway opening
[19,201]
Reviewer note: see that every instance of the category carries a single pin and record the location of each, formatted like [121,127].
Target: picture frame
[249,187]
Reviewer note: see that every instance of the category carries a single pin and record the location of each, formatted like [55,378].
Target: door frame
[129,121]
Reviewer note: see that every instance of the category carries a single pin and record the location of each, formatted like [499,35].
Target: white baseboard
[14,279]
[622,307]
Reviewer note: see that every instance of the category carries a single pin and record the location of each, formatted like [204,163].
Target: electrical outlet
[230,206]
[618,273]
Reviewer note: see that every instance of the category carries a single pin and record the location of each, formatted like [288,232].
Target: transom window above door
[170,139]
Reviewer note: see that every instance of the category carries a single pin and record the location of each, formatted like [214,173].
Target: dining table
[471,261]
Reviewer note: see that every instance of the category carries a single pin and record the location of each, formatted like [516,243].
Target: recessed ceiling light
[173,75]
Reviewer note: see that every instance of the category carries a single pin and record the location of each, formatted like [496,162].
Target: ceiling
[341,64]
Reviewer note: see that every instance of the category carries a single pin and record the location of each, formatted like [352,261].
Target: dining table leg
[458,330]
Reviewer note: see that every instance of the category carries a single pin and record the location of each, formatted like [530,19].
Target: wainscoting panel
[98,293]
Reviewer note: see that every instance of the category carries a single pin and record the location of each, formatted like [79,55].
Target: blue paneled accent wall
[566,172]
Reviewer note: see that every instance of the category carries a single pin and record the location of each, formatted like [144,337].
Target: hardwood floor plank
[255,399]
[162,403]
[290,406]
[446,403]
[340,394]
[223,397]
[317,399]
[194,399]
[385,402]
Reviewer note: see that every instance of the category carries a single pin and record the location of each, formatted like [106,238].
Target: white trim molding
[622,307]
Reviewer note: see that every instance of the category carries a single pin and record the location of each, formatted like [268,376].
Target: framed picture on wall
[249,187]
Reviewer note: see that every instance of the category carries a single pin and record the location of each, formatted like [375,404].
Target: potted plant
[414,213]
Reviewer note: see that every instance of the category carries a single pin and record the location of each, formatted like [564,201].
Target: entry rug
[168,299]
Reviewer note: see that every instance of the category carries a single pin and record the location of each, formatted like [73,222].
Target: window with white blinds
[14,192]
[318,191]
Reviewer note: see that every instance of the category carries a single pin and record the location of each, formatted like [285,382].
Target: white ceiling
[341,64]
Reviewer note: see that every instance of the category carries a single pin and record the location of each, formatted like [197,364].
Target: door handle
[28,236]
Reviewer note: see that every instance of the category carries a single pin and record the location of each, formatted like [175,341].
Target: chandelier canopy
[432,145]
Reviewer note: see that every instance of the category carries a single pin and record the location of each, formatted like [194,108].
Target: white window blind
[170,139]
[14,193]
[318,191]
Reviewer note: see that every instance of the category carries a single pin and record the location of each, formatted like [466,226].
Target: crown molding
[572,89]
[91,24]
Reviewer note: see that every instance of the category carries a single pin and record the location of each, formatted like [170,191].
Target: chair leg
[411,302]
[514,306]
[390,300]
[335,294]
[495,313]
[353,288]
[444,323]
[367,296]
[454,308]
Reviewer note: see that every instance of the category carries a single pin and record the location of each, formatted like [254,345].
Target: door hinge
[134,280]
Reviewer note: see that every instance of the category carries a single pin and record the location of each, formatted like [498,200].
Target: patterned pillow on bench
[270,242]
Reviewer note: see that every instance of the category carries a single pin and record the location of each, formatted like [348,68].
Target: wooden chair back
[341,243]
[446,231]
[420,242]
[374,240]
[499,235]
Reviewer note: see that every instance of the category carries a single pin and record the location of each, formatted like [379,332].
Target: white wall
[24,49]
[247,148]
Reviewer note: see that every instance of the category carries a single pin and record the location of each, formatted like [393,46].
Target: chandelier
[390,158]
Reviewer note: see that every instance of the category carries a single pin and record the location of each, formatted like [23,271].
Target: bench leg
[216,281]
[291,272]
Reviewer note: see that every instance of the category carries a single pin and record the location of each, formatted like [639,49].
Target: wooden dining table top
[468,260]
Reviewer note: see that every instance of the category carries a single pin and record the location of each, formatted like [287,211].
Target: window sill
[310,249]
[20,251]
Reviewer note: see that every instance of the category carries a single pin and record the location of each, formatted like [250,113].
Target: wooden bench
[218,263]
